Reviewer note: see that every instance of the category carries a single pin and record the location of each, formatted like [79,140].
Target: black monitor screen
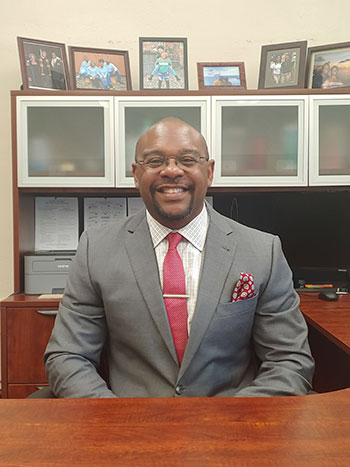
[314,227]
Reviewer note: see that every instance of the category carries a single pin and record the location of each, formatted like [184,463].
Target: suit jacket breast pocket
[247,305]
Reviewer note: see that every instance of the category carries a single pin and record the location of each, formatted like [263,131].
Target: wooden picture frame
[282,65]
[328,66]
[221,75]
[44,64]
[163,63]
[99,69]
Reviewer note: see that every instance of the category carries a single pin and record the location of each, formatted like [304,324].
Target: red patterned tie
[174,293]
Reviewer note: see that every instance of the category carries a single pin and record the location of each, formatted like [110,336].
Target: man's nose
[171,169]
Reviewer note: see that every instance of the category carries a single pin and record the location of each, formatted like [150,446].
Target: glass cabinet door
[330,140]
[65,141]
[136,114]
[260,140]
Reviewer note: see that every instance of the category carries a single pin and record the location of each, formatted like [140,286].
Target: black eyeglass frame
[196,159]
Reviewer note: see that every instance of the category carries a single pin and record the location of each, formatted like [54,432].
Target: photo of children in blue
[103,75]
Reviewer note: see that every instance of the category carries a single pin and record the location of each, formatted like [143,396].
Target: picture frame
[328,66]
[283,65]
[44,64]
[163,63]
[99,69]
[221,75]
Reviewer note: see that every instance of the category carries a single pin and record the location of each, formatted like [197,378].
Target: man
[45,69]
[113,71]
[84,67]
[286,69]
[117,292]
[103,74]
[57,72]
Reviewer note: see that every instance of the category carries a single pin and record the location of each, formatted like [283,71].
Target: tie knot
[174,239]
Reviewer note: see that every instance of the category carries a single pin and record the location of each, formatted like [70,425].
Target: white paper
[134,205]
[103,211]
[56,223]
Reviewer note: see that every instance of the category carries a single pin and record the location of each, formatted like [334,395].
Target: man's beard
[172,217]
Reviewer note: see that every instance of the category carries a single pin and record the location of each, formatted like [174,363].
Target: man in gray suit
[245,333]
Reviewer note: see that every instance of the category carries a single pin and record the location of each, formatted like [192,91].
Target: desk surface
[332,319]
[283,431]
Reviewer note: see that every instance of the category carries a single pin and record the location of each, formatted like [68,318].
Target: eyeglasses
[183,162]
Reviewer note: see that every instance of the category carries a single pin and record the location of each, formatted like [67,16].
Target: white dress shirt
[190,249]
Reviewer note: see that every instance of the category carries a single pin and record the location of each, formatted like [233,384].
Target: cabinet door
[27,334]
[260,140]
[135,114]
[65,141]
[330,140]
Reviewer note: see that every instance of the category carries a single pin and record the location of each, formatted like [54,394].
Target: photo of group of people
[283,65]
[44,66]
[331,69]
[99,71]
[282,69]
[163,64]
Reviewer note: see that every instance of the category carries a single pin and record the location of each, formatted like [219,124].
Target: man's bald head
[170,125]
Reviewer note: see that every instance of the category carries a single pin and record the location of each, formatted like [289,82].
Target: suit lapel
[219,253]
[143,261]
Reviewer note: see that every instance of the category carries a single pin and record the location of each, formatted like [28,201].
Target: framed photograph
[99,69]
[43,64]
[328,66]
[283,65]
[163,63]
[218,75]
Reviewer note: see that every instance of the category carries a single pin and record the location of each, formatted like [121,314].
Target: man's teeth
[172,190]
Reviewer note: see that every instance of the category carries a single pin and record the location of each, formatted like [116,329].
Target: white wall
[216,31]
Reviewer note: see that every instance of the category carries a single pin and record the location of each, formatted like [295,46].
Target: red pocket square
[244,287]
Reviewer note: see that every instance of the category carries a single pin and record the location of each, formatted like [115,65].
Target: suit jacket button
[179,390]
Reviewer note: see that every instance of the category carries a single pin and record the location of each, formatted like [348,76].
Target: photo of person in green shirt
[163,67]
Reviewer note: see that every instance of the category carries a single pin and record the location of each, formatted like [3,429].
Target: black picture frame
[173,52]
[283,65]
[44,64]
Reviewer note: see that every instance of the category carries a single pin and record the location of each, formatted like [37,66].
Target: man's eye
[153,161]
[187,160]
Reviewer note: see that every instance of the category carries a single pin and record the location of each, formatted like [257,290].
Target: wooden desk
[27,323]
[329,336]
[282,431]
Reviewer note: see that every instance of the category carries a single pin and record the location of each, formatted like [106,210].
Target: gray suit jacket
[253,347]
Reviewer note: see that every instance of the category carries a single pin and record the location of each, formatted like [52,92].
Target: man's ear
[134,171]
[211,165]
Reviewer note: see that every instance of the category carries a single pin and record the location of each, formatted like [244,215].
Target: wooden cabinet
[26,325]
[259,140]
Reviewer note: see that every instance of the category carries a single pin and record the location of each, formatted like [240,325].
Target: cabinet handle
[47,312]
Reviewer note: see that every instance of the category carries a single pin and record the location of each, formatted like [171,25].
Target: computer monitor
[314,227]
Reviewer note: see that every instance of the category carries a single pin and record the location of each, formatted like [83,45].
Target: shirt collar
[195,232]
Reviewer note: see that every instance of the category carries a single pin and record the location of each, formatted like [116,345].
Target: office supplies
[329,295]
[46,273]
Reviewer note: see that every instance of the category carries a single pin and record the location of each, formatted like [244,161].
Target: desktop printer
[46,272]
